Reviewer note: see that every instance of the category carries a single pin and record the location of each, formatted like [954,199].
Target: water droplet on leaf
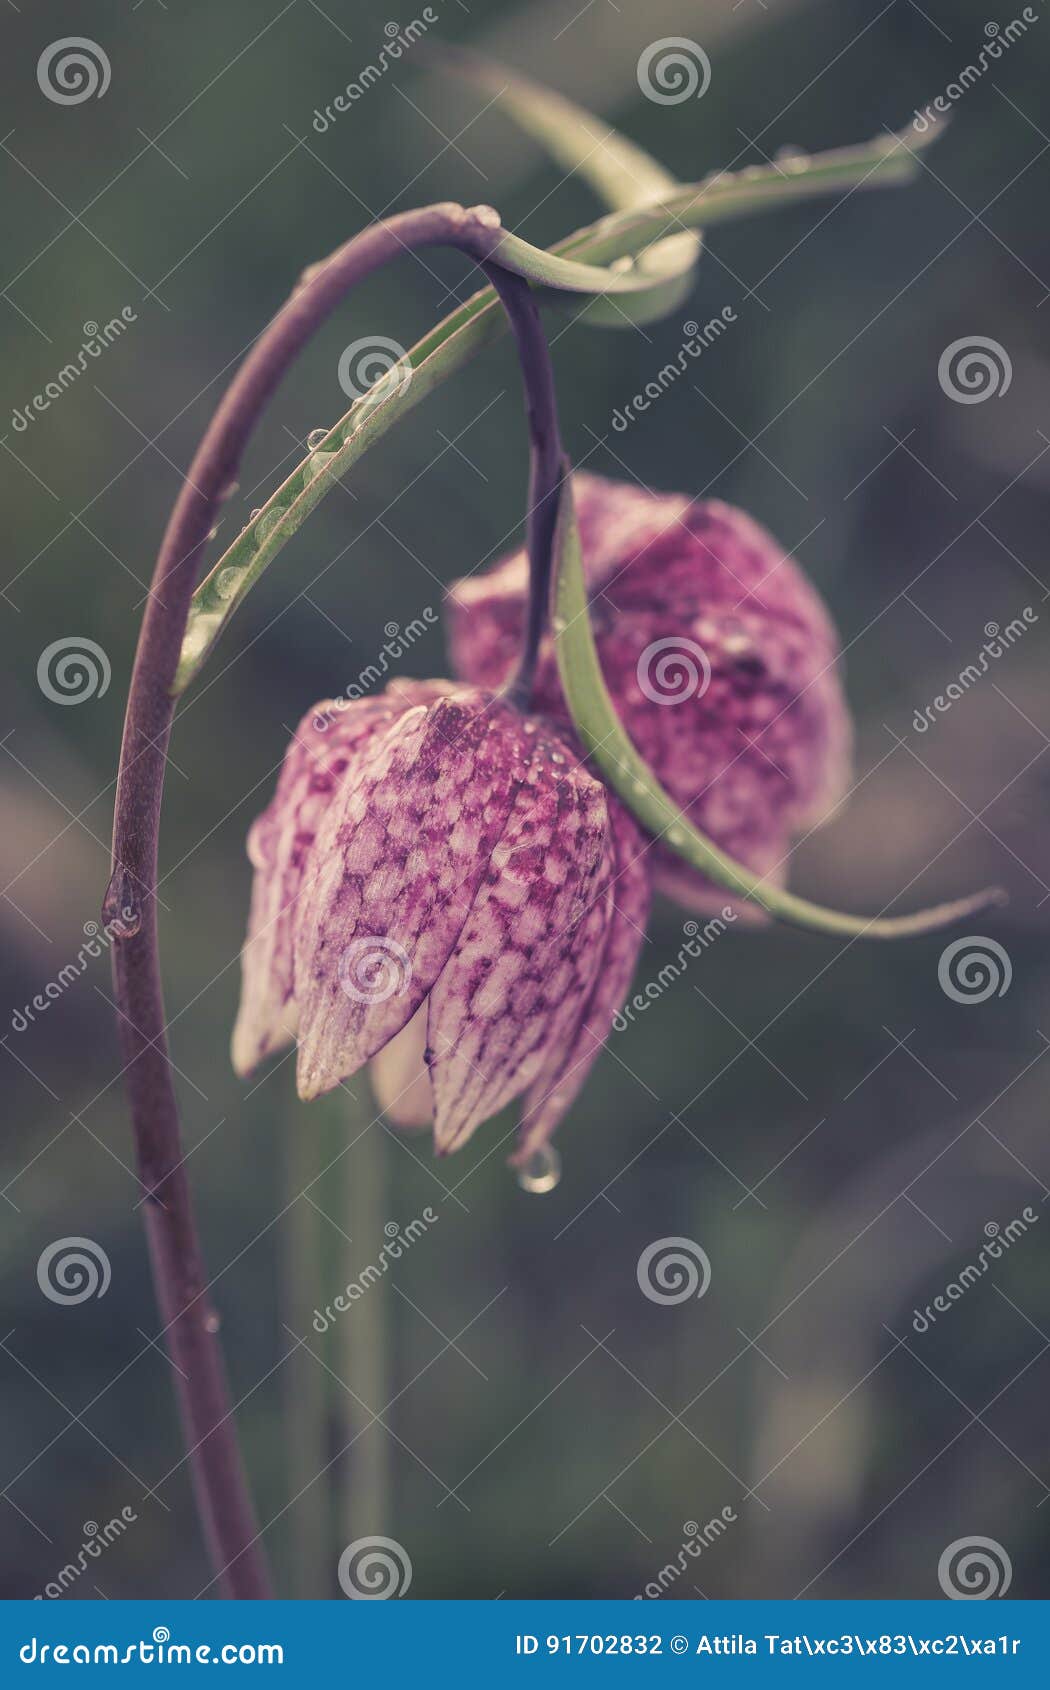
[792,158]
[317,463]
[199,634]
[267,523]
[315,437]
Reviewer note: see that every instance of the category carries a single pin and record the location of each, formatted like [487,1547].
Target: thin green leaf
[480,321]
[608,746]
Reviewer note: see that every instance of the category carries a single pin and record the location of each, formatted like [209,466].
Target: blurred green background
[834,1130]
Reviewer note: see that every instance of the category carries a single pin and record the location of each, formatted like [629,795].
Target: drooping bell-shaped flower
[442,890]
[720,659]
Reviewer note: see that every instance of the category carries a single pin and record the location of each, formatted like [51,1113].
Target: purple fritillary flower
[720,657]
[443,890]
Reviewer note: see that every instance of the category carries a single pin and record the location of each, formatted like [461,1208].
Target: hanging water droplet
[315,437]
[542,1171]
[253,515]
[226,583]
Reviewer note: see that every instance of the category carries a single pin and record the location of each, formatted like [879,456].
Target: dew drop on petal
[542,1171]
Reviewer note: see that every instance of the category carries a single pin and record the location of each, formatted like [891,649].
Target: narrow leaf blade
[611,750]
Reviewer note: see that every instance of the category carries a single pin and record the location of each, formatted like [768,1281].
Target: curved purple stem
[547,468]
[190,1326]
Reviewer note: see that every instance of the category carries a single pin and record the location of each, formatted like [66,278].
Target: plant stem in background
[305,1381]
[363,1337]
